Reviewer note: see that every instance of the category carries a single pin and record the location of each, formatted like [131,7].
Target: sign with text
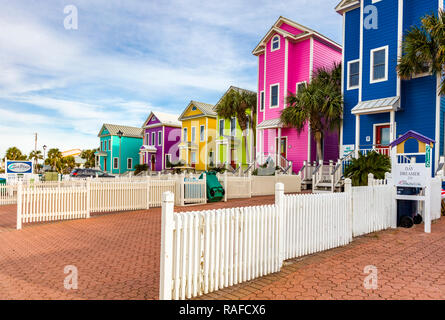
[18,167]
[411,175]
[347,149]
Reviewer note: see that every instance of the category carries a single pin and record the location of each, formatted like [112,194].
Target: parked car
[89,173]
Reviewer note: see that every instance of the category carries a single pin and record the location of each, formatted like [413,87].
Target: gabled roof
[165,119]
[205,108]
[230,89]
[346,5]
[113,129]
[306,33]
[412,135]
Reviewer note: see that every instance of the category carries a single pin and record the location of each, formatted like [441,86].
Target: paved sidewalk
[410,265]
[116,254]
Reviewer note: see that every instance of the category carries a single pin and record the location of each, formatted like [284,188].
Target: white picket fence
[79,200]
[8,194]
[208,250]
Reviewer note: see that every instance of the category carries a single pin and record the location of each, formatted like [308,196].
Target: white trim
[163,144]
[360,92]
[286,70]
[165,159]
[202,136]
[131,167]
[114,167]
[153,138]
[270,96]
[287,145]
[311,59]
[438,81]
[349,74]
[399,44]
[264,85]
[206,156]
[193,139]
[263,100]
[191,157]
[233,130]
[343,83]
[371,80]
[297,84]
[309,142]
[159,136]
[374,127]
[185,130]
[147,138]
[272,42]
[219,127]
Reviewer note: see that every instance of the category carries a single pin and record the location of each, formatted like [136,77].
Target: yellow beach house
[197,147]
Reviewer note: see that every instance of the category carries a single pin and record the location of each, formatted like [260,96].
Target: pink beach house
[288,56]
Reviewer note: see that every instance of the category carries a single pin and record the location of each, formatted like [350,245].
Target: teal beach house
[119,148]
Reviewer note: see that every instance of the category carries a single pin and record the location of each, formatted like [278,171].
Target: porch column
[392,130]
[357,134]
[217,153]
[228,158]
[278,151]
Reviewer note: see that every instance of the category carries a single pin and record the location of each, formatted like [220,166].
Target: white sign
[411,175]
[347,149]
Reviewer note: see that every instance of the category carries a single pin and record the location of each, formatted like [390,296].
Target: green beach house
[232,150]
[119,148]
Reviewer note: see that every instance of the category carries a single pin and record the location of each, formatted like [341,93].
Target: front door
[382,139]
[105,164]
[282,148]
[233,158]
[153,162]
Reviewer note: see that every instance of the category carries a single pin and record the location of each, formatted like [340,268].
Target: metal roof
[113,129]
[166,119]
[205,108]
[272,123]
[148,148]
[377,106]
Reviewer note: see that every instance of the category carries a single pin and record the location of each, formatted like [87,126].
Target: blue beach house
[378,105]
[107,157]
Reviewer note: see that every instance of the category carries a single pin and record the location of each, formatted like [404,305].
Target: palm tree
[90,158]
[423,49]
[54,159]
[373,162]
[319,105]
[237,103]
[35,156]
[67,165]
[14,153]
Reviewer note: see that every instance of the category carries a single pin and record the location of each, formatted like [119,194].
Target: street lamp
[44,154]
[120,134]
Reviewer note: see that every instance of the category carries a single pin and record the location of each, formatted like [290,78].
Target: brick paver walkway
[117,256]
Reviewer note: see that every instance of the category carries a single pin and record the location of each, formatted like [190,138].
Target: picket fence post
[165,286]
[204,177]
[390,182]
[182,184]
[370,179]
[148,192]
[348,191]
[88,197]
[427,206]
[279,203]
[225,186]
[19,205]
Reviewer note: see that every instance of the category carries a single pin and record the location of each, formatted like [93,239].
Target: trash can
[407,214]
[2,181]
[215,191]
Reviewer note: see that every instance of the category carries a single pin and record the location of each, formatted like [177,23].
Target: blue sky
[128,58]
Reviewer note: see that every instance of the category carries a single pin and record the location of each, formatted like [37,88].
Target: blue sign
[20,167]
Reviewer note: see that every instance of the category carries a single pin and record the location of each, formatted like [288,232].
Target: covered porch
[383,133]
[146,154]
[97,160]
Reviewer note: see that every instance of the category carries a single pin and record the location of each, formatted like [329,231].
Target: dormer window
[275,43]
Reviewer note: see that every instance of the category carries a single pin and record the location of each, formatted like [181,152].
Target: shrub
[373,162]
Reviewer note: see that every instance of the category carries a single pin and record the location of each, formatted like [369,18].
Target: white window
[353,74]
[101,146]
[168,160]
[115,163]
[109,145]
[147,139]
[300,86]
[275,43]
[232,126]
[193,157]
[379,64]
[262,101]
[153,138]
[193,134]
[129,163]
[202,133]
[159,138]
[221,127]
[274,92]
[184,135]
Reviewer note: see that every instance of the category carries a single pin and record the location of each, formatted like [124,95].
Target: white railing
[208,250]
[381,150]
[8,194]
[38,205]
[307,171]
